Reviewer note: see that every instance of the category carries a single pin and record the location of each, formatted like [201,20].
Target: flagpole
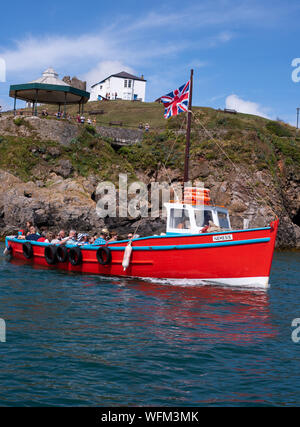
[188,132]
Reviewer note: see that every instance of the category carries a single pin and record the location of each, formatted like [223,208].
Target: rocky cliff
[49,171]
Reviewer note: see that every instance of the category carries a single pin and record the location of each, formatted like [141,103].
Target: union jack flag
[177,101]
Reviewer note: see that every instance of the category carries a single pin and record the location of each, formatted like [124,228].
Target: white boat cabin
[191,219]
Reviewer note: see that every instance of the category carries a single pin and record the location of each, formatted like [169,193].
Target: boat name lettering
[223,238]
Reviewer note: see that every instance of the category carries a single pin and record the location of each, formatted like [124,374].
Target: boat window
[203,217]
[180,219]
[223,220]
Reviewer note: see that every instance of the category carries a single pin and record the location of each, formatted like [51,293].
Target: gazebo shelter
[49,89]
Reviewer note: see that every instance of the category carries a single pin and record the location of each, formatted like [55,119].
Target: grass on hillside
[133,113]
[88,154]
[246,138]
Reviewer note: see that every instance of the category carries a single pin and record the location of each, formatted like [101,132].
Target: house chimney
[142,77]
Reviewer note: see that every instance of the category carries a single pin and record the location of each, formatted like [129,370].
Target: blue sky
[241,50]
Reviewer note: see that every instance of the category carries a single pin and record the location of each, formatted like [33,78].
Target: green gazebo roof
[49,89]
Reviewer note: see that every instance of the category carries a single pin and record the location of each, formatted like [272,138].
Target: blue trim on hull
[157,248]
[195,246]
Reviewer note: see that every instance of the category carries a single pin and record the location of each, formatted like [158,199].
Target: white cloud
[131,44]
[104,69]
[233,102]
[134,42]
[34,53]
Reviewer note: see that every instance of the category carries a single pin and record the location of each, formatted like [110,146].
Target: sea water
[74,340]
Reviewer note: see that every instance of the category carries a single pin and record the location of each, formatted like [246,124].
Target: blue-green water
[86,340]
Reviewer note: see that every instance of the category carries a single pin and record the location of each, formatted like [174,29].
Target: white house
[120,86]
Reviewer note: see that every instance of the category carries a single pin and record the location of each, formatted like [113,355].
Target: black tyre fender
[27,250]
[51,254]
[104,255]
[62,254]
[75,256]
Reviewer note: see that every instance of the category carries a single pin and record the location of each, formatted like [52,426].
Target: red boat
[228,257]
[186,251]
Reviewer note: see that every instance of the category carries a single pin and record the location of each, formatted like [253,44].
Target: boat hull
[237,258]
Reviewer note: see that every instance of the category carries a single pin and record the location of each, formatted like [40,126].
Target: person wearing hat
[105,232]
[83,239]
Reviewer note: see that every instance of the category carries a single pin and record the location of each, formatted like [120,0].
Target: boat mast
[188,132]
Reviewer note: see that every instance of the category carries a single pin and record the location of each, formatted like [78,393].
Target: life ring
[75,256]
[51,254]
[27,250]
[62,254]
[104,256]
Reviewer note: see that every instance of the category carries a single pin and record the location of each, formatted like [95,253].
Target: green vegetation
[155,150]
[278,129]
[247,139]
[19,121]
[28,158]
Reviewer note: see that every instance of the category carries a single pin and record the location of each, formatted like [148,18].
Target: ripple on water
[88,340]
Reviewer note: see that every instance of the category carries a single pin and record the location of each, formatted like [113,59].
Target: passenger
[56,241]
[71,239]
[105,232]
[101,240]
[46,237]
[133,236]
[49,237]
[42,238]
[61,235]
[213,227]
[114,237]
[28,225]
[33,235]
[83,239]
[204,229]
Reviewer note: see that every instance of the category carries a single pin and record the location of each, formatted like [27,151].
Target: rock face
[44,129]
[64,204]
[64,132]
[69,203]
[121,136]
[61,198]
[75,82]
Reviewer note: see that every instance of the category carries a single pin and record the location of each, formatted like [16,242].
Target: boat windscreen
[180,219]
[203,217]
[223,220]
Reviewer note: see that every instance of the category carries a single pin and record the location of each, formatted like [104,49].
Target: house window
[101,87]
[129,83]
[125,83]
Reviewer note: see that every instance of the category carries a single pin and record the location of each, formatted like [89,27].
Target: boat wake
[200,283]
